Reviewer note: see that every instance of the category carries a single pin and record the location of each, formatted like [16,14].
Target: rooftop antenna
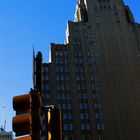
[3,126]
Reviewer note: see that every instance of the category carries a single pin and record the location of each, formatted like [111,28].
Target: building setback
[94,77]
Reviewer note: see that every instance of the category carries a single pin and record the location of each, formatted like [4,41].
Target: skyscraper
[94,77]
[6,135]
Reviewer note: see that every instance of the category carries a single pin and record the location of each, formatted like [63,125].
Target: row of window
[84,137]
[84,87]
[79,76]
[64,96]
[45,78]
[83,106]
[90,35]
[84,127]
[92,54]
[61,53]
[85,27]
[68,87]
[69,127]
[76,42]
[68,96]
[62,69]
[45,69]
[82,96]
[62,87]
[65,106]
[45,86]
[62,78]
[80,86]
[83,116]
[77,61]
[102,6]
[91,42]
[94,61]
[61,61]
[78,69]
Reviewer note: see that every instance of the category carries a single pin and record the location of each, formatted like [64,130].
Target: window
[79,69]
[97,106]
[78,53]
[83,96]
[43,116]
[83,106]
[76,42]
[80,78]
[67,116]
[46,96]
[92,61]
[79,61]
[81,86]
[93,87]
[84,116]
[64,96]
[96,86]
[62,77]
[61,53]
[45,69]
[61,61]
[92,35]
[99,116]
[45,86]
[64,106]
[56,60]
[93,69]
[96,77]
[62,87]
[91,53]
[85,126]
[44,127]
[56,53]
[100,126]
[67,127]
[59,69]
[96,96]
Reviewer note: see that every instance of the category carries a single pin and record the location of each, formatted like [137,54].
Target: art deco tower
[94,77]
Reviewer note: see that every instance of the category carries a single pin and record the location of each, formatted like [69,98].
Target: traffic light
[54,124]
[28,116]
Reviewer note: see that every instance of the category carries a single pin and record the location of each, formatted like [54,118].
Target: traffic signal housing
[54,124]
[28,116]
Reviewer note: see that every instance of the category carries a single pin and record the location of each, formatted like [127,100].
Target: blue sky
[22,24]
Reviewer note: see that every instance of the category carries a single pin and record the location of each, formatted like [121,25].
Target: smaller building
[6,135]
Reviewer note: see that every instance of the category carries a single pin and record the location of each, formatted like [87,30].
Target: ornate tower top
[81,12]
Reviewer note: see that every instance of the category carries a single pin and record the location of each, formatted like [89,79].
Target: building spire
[81,13]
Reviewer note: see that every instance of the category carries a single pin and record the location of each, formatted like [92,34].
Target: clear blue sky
[22,24]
